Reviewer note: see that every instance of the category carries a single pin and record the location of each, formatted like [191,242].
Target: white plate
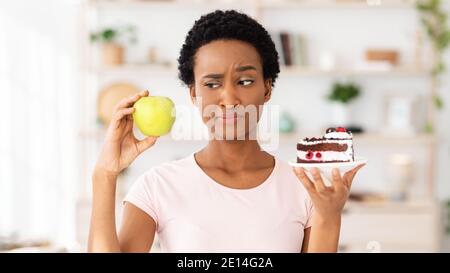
[326,168]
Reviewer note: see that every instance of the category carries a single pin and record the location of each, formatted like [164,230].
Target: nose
[229,97]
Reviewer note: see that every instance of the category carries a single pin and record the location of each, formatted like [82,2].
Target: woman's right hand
[121,146]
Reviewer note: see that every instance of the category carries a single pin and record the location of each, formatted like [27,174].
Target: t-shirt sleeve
[142,195]
[309,212]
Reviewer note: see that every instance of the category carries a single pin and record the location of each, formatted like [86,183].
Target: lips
[230,117]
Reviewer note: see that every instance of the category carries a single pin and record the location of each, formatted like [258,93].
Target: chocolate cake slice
[335,146]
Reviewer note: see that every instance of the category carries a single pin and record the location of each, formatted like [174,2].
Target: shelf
[170,4]
[316,72]
[330,4]
[291,71]
[387,139]
[366,138]
[390,206]
[135,69]
[98,135]
[135,4]
[261,4]
[374,139]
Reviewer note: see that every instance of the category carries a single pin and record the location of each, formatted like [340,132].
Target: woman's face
[229,88]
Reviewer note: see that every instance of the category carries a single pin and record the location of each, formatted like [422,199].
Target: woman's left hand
[328,201]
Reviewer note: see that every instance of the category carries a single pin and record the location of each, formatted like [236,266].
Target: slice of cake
[335,146]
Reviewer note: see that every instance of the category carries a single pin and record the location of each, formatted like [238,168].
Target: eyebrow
[238,69]
[245,68]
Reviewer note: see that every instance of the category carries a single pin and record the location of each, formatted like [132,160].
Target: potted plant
[340,95]
[112,40]
[434,21]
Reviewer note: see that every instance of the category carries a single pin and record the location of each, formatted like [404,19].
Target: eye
[245,82]
[212,85]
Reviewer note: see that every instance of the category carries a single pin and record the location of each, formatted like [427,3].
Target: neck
[242,153]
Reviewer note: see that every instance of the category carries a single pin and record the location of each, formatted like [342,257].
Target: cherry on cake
[335,146]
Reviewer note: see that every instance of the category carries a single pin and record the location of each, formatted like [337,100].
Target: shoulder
[174,167]
[168,171]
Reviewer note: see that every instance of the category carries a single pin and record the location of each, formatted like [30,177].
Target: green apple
[154,116]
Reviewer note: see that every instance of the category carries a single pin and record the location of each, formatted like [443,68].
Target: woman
[231,195]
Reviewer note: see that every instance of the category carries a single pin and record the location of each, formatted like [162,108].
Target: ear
[192,93]
[268,89]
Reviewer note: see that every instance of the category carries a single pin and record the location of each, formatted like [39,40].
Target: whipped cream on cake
[335,146]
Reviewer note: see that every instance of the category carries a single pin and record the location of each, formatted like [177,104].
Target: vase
[112,54]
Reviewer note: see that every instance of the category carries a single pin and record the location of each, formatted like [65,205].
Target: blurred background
[377,67]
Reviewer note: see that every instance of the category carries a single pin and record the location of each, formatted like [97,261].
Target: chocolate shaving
[312,139]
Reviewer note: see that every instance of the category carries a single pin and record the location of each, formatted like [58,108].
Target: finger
[338,182]
[355,170]
[350,175]
[127,102]
[120,114]
[144,93]
[318,182]
[146,143]
[123,113]
[128,125]
[301,175]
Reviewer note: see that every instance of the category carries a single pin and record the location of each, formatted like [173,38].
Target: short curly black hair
[227,25]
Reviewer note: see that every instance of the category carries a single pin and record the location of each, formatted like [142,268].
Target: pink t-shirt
[193,213]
